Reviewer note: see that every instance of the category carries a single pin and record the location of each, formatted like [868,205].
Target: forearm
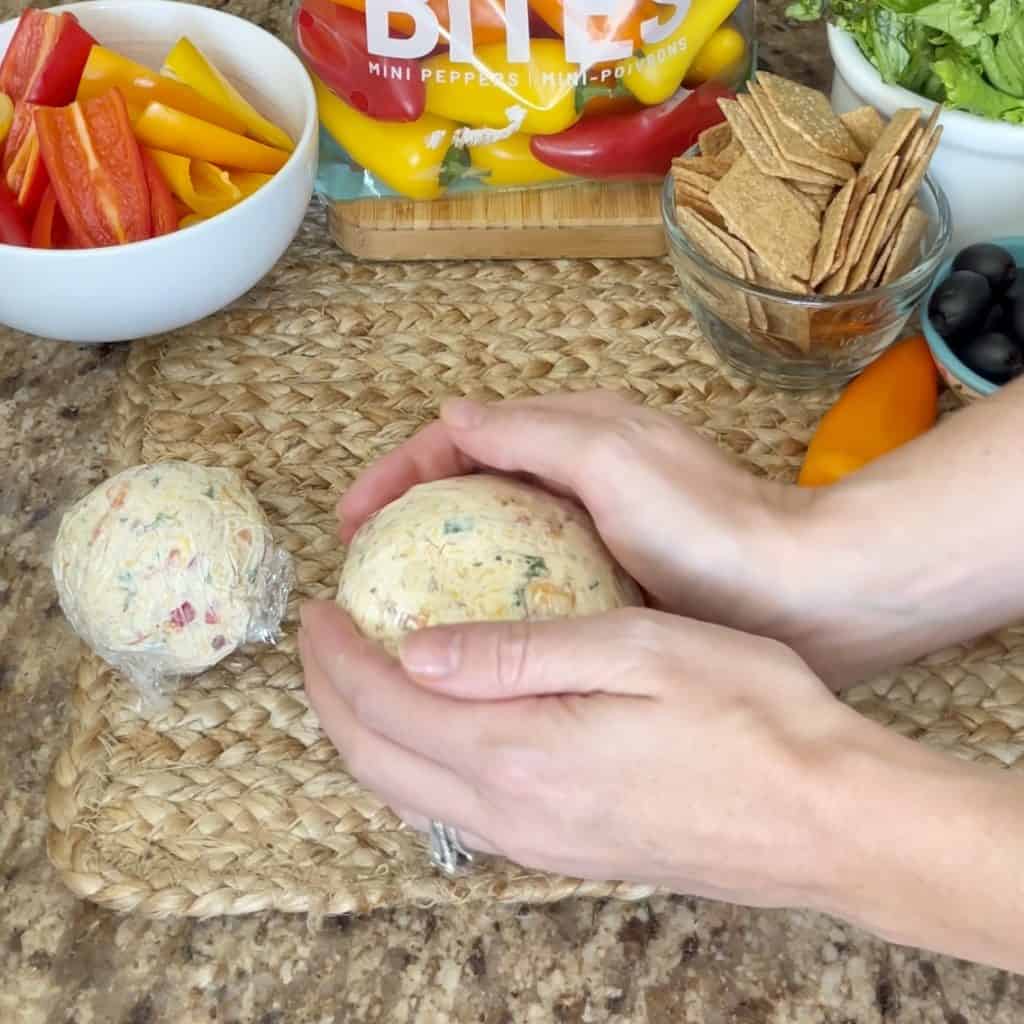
[921,549]
[926,850]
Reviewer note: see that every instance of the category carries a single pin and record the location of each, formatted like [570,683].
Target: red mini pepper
[332,39]
[641,143]
[163,208]
[22,165]
[45,59]
[96,169]
[13,230]
[50,230]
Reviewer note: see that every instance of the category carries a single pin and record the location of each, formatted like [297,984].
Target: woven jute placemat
[231,800]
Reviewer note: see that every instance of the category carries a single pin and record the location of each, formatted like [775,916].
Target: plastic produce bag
[423,98]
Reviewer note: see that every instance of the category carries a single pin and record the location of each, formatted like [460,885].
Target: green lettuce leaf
[967,90]
[1003,60]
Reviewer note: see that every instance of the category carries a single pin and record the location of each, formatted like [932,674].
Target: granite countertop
[64,961]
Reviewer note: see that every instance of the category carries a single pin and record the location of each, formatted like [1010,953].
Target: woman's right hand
[702,536]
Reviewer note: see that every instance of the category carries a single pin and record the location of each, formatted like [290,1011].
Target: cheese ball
[166,569]
[477,548]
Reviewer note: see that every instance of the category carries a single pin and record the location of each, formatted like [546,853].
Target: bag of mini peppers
[423,98]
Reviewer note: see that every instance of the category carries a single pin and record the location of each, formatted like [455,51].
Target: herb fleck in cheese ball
[477,548]
[165,569]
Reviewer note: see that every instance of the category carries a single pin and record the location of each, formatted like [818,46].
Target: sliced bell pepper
[188,64]
[641,143]
[6,117]
[658,70]
[50,229]
[510,162]
[202,187]
[160,127]
[23,169]
[720,59]
[892,401]
[481,94]
[13,229]
[96,169]
[332,41]
[45,58]
[487,18]
[248,182]
[416,158]
[140,86]
[162,209]
[621,26]
[190,220]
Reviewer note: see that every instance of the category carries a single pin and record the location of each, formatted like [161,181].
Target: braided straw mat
[231,800]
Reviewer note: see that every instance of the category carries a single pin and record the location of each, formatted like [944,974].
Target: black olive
[1015,293]
[1014,321]
[993,356]
[996,320]
[960,304]
[993,262]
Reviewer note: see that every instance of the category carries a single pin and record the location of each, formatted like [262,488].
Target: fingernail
[462,413]
[433,653]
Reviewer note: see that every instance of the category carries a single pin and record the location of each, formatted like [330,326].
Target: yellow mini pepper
[659,71]
[544,89]
[160,127]
[140,87]
[409,157]
[188,64]
[720,59]
[510,163]
[205,189]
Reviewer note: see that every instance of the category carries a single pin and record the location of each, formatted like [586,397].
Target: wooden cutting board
[568,222]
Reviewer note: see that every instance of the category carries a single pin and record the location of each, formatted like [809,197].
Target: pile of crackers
[789,195]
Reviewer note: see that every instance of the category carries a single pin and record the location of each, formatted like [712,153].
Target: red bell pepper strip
[50,229]
[163,208]
[45,58]
[22,165]
[96,169]
[627,145]
[332,40]
[13,230]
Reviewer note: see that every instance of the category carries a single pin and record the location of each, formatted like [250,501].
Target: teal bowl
[962,381]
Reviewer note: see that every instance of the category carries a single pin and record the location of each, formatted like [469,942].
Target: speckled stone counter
[63,961]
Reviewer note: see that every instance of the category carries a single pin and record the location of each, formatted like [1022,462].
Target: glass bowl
[810,340]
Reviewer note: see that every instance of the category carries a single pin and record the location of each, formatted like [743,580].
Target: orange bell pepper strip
[892,401]
[49,230]
[140,86]
[162,208]
[188,64]
[96,169]
[621,26]
[486,16]
[199,185]
[161,127]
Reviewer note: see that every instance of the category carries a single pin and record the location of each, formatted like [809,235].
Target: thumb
[510,660]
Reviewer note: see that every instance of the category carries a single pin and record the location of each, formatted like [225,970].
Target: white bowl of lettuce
[967,55]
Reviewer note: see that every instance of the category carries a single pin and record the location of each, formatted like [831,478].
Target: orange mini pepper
[892,401]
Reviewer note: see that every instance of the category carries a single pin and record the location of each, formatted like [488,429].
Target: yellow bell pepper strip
[415,158]
[892,401]
[202,187]
[188,64]
[248,182]
[720,58]
[481,94]
[509,163]
[190,220]
[161,127]
[658,70]
[6,117]
[140,87]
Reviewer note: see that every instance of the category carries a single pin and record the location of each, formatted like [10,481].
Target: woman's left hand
[633,746]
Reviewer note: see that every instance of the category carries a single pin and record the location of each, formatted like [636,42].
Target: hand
[701,535]
[634,746]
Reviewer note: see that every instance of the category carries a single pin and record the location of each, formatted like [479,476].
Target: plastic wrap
[166,569]
[423,98]
[477,548]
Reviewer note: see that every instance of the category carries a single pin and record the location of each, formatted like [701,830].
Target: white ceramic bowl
[120,293]
[979,162]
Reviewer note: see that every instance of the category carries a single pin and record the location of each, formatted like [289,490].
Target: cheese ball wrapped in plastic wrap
[477,548]
[166,569]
